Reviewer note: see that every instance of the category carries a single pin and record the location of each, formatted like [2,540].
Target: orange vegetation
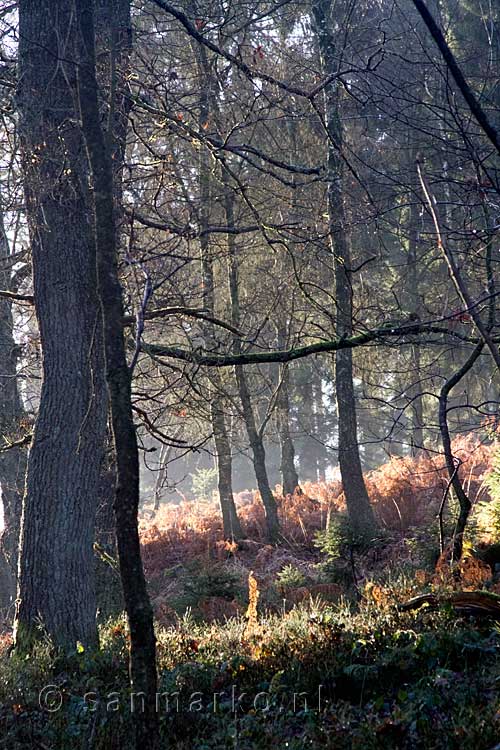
[405,492]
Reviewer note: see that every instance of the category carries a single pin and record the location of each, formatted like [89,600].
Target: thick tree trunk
[12,460]
[143,676]
[56,584]
[358,504]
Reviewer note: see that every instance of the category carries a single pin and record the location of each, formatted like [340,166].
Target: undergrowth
[337,676]
[320,657]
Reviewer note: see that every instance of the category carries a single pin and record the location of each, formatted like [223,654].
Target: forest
[250,374]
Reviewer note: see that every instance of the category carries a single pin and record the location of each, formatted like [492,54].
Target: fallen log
[476,603]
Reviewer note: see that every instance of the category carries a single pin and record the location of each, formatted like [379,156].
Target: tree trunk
[143,675]
[12,460]
[258,457]
[357,501]
[254,435]
[451,465]
[109,596]
[56,584]
[289,476]
[223,452]
[230,520]
[415,392]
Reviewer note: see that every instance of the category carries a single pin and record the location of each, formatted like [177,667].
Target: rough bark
[56,578]
[12,460]
[143,676]
[109,595]
[357,501]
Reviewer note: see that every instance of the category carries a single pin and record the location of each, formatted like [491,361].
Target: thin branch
[455,273]
[475,107]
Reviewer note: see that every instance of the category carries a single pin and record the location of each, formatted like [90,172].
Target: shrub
[204,483]
[290,577]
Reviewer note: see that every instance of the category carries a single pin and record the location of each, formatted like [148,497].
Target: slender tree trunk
[258,456]
[113,47]
[308,463]
[451,465]
[143,675]
[417,428]
[456,273]
[254,434]
[12,460]
[56,578]
[230,520]
[313,458]
[223,452]
[109,597]
[358,504]
[289,476]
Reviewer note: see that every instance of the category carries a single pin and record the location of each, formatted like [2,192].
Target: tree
[358,503]
[13,451]
[143,677]
[56,580]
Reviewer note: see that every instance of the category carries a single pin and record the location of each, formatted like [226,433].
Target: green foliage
[204,483]
[199,581]
[381,679]
[290,577]
[424,547]
[335,570]
[340,540]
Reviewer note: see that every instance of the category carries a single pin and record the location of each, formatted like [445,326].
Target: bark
[230,520]
[415,392]
[223,452]
[456,273]
[289,476]
[258,457]
[12,460]
[451,462]
[358,505]
[255,437]
[56,578]
[109,596]
[143,676]
[472,102]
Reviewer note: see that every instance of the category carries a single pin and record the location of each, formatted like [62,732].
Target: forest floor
[303,645]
